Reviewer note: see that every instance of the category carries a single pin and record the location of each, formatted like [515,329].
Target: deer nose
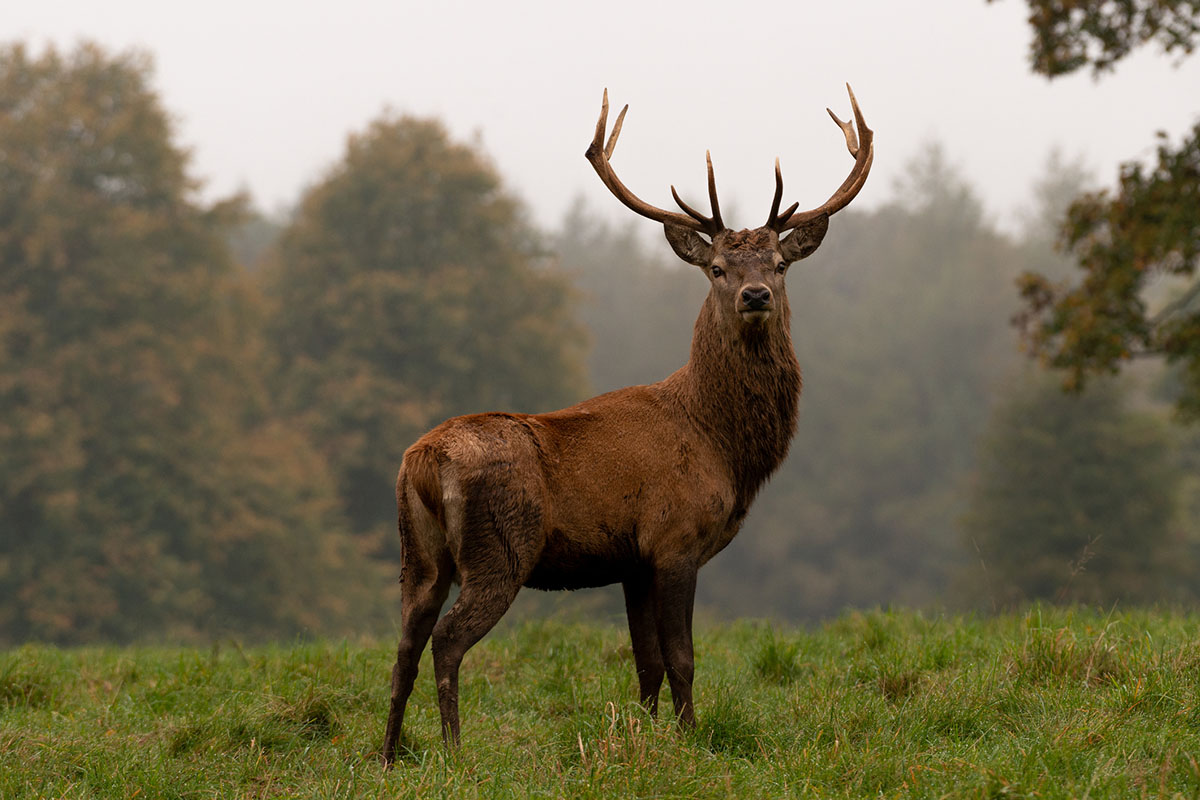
[756,298]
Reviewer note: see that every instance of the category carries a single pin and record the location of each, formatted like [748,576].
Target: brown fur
[641,486]
[422,473]
[752,239]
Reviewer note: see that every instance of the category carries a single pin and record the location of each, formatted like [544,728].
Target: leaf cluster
[1072,34]
[1148,227]
[1123,241]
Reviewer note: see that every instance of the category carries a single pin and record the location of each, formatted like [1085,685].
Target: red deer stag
[640,486]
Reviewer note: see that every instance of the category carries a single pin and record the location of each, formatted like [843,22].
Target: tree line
[190,448]
[202,409]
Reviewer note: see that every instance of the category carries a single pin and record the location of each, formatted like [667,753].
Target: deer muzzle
[755,303]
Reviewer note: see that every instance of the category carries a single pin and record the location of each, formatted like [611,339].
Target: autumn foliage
[1125,240]
[182,458]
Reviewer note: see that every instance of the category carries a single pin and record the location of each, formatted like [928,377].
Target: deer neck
[743,390]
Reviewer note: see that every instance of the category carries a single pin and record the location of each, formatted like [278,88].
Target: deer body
[640,486]
[608,495]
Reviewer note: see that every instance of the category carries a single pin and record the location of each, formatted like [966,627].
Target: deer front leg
[674,596]
[643,631]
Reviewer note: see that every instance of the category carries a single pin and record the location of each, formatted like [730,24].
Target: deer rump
[509,494]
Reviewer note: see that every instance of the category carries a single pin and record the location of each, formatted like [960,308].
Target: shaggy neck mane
[743,389]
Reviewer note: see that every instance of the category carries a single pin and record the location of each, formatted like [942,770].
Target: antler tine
[775,219]
[616,131]
[778,194]
[711,224]
[691,212]
[860,141]
[601,126]
[712,194]
[848,130]
[598,154]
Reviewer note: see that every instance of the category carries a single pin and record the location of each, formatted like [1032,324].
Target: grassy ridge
[1052,703]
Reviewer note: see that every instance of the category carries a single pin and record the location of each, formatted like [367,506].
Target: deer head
[746,268]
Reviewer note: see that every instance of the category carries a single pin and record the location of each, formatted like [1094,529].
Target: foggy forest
[203,405]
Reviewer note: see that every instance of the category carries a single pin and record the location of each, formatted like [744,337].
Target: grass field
[1051,703]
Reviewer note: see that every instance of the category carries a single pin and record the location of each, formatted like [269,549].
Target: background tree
[639,302]
[144,490]
[1149,226]
[407,289]
[252,240]
[1068,36]
[1075,500]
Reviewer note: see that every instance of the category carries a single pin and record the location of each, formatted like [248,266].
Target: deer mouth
[755,316]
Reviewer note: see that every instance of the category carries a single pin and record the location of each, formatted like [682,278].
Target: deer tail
[424,476]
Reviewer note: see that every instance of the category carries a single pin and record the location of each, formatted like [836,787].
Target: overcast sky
[264,93]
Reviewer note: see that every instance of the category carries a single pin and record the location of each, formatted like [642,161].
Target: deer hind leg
[475,612]
[501,539]
[424,585]
[643,631]
[674,597]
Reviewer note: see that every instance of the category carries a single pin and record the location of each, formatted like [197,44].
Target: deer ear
[688,245]
[804,241]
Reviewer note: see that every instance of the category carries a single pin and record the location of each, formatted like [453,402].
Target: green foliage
[1050,703]
[1075,500]
[1123,240]
[406,291]
[143,490]
[1068,36]
[1123,243]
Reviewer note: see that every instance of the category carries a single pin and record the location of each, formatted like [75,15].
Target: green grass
[1053,703]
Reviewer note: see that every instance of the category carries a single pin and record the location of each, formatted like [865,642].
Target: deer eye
[717,271]
[781,267]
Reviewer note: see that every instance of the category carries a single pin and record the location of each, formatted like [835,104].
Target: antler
[599,154]
[862,147]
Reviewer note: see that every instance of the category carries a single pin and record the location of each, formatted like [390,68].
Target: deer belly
[585,559]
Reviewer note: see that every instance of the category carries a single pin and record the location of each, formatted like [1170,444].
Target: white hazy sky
[264,93]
